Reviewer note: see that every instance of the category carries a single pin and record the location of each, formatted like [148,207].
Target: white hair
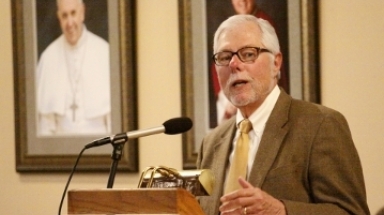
[268,34]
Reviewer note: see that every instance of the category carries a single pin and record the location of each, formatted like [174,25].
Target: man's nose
[70,21]
[235,60]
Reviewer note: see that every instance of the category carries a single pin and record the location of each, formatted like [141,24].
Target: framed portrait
[73,86]
[295,22]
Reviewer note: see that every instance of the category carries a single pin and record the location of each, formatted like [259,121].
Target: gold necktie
[240,159]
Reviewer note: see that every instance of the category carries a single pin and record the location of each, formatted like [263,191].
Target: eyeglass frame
[259,50]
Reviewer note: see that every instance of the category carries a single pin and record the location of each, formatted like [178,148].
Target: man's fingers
[244,184]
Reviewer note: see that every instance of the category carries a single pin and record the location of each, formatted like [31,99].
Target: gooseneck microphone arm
[172,126]
[116,157]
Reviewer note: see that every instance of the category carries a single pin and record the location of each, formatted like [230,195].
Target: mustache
[236,77]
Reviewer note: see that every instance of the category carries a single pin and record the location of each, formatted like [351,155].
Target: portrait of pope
[73,75]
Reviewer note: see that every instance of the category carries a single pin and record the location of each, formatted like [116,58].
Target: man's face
[71,18]
[246,84]
[243,6]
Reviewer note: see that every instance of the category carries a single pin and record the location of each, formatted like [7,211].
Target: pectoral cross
[73,108]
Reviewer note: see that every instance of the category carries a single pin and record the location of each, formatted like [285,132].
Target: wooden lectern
[172,201]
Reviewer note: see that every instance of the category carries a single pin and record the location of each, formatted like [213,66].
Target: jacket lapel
[274,133]
[222,150]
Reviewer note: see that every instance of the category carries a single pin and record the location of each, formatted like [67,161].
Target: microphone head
[177,125]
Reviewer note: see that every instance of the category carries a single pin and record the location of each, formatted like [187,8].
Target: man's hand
[250,200]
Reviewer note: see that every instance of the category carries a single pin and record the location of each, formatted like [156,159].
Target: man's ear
[277,63]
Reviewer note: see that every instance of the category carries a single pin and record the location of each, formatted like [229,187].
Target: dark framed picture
[74,79]
[296,26]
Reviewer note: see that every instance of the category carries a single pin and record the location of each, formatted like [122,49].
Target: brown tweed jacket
[306,158]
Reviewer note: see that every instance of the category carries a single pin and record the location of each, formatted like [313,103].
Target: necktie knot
[245,126]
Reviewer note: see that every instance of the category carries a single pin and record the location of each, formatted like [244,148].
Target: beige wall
[352,81]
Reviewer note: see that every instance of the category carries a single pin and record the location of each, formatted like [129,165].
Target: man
[301,158]
[73,80]
[224,108]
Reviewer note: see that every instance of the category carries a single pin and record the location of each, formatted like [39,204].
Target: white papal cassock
[73,87]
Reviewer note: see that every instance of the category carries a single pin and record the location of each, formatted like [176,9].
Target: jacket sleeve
[334,172]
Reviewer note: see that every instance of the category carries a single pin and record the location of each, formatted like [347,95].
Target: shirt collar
[260,116]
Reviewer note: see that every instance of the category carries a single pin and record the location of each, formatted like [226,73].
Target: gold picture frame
[56,154]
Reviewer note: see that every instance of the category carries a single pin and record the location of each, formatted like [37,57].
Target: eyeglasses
[246,55]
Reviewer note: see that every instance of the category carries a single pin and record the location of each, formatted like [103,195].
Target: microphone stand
[116,156]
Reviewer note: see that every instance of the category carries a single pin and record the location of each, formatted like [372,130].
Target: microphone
[171,126]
